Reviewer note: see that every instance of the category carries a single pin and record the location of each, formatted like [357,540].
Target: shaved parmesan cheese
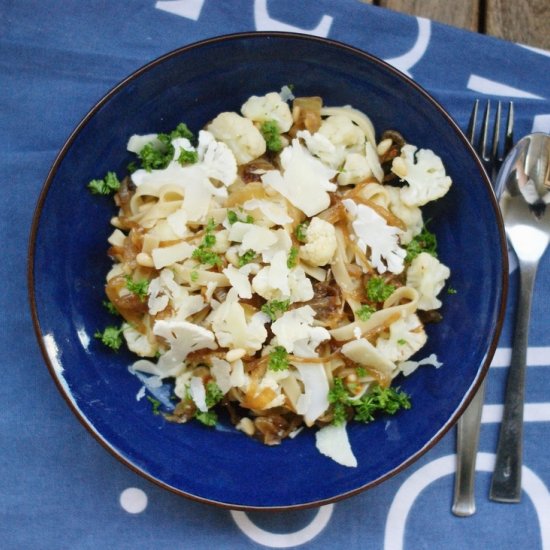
[238,278]
[381,239]
[197,391]
[314,401]
[221,371]
[137,142]
[333,441]
[168,255]
[408,367]
[274,212]
[362,352]
[305,179]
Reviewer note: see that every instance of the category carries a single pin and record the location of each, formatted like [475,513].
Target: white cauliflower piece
[406,336]
[427,275]
[239,134]
[138,343]
[294,331]
[411,216]
[320,244]
[268,107]
[336,138]
[356,168]
[217,158]
[381,239]
[425,174]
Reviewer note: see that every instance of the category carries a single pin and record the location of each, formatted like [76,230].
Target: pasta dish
[276,268]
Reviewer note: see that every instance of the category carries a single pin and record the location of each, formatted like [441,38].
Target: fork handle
[466,444]
[506,481]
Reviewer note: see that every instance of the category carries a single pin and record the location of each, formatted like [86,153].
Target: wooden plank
[463,13]
[524,21]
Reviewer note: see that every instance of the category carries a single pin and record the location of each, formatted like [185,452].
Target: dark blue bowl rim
[482,371]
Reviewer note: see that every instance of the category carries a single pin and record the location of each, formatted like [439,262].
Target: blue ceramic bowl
[68,264]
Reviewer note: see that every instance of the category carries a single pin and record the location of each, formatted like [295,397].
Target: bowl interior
[69,263]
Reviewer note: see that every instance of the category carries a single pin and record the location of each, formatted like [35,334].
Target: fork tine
[470,132]
[482,144]
[496,134]
[509,134]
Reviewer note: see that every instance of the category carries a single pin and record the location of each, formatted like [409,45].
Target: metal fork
[470,422]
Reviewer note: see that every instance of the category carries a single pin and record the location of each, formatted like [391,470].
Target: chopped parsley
[109,184]
[194,276]
[155,157]
[139,288]
[292,259]
[380,400]
[188,157]
[272,135]
[274,307]
[111,337]
[425,241]
[377,400]
[155,404]
[361,371]
[452,290]
[247,257]
[278,359]
[213,396]
[364,312]
[401,341]
[378,290]
[204,253]
[300,232]
[110,307]
[232,218]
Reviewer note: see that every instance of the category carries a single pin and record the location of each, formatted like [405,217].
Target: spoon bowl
[523,185]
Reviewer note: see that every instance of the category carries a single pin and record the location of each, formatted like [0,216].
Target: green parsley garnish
[272,135]
[188,157]
[157,156]
[233,218]
[377,400]
[364,312]
[361,371]
[109,306]
[401,341]
[380,400]
[247,257]
[194,276]
[425,241]
[155,403]
[300,232]
[274,307]
[452,290]
[139,288]
[208,418]
[278,359]
[109,184]
[292,257]
[111,337]
[378,290]
[213,396]
[204,253]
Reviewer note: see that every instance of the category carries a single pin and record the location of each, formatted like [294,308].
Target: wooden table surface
[523,21]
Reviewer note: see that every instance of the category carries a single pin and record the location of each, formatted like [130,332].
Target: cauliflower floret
[337,137]
[423,170]
[411,216]
[240,135]
[406,337]
[427,275]
[268,107]
[320,243]
[356,168]
[138,343]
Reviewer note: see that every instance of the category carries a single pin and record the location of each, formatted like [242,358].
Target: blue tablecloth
[58,487]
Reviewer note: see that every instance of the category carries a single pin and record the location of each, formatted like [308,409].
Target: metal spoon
[523,185]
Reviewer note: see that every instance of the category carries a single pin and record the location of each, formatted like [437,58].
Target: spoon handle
[466,445]
[506,481]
